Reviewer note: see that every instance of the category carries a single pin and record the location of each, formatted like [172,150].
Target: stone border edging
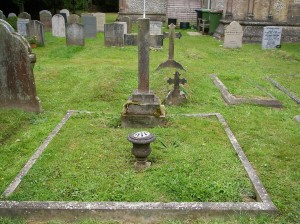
[140,212]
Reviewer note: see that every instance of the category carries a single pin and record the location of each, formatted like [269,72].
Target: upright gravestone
[233,35]
[73,18]
[24,15]
[23,27]
[155,28]
[65,13]
[271,37]
[127,20]
[36,28]
[16,71]
[75,34]
[176,97]
[89,26]
[100,19]
[46,19]
[2,16]
[114,34]
[58,26]
[143,109]
[12,15]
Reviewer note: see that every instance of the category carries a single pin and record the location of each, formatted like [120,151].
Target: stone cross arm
[177,35]
[171,33]
[176,81]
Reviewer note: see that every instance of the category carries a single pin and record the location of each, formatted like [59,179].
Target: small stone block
[297,118]
[142,121]
[141,166]
[143,97]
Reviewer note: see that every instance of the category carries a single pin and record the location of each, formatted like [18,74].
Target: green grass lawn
[100,79]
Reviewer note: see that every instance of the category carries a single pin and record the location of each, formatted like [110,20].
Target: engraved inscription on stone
[271,37]
[233,35]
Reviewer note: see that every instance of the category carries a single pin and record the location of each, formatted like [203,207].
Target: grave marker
[155,28]
[100,19]
[75,34]
[58,26]
[271,37]
[36,28]
[12,14]
[171,63]
[23,27]
[233,35]
[127,20]
[24,15]
[2,16]
[64,15]
[66,12]
[46,19]
[16,71]
[114,34]
[73,18]
[89,26]
[176,97]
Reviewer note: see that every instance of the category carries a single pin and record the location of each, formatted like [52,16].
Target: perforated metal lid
[141,137]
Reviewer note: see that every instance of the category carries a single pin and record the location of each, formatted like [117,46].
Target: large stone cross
[176,81]
[171,62]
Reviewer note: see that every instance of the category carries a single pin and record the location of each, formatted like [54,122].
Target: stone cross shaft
[143,55]
[172,35]
[177,81]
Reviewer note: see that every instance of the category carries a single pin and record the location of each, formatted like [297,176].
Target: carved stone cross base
[143,110]
[173,98]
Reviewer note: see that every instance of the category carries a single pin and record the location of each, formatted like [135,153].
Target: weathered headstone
[67,12]
[12,14]
[58,26]
[171,63]
[156,28]
[16,71]
[75,34]
[233,35]
[100,18]
[127,20]
[271,37]
[89,25]
[143,109]
[73,18]
[46,19]
[114,34]
[23,27]
[24,15]
[36,28]
[2,16]
[176,97]
[64,15]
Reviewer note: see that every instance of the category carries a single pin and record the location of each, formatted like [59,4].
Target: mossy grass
[100,79]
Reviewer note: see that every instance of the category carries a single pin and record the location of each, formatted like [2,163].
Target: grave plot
[88,167]
[289,84]
[238,90]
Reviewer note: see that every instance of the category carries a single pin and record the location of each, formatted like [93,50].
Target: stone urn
[141,148]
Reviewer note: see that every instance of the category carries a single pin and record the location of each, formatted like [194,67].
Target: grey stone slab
[73,18]
[233,100]
[36,28]
[58,26]
[23,27]
[156,28]
[130,39]
[65,16]
[138,212]
[100,19]
[46,19]
[114,34]
[90,26]
[127,20]
[16,71]
[271,37]
[233,35]
[12,14]
[297,118]
[75,34]
[67,12]
[24,15]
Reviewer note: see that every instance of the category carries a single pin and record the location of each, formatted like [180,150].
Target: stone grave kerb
[171,63]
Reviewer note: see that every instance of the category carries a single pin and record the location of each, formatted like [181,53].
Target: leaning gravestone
[16,71]
[100,18]
[12,14]
[114,34]
[65,13]
[73,18]
[127,20]
[233,35]
[58,26]
[271,37]
[23,27]
[156,28]
[24,15]
[75,34]
[36,28]
[89,25]
[46,19]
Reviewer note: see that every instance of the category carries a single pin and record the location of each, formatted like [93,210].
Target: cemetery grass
[99,79]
